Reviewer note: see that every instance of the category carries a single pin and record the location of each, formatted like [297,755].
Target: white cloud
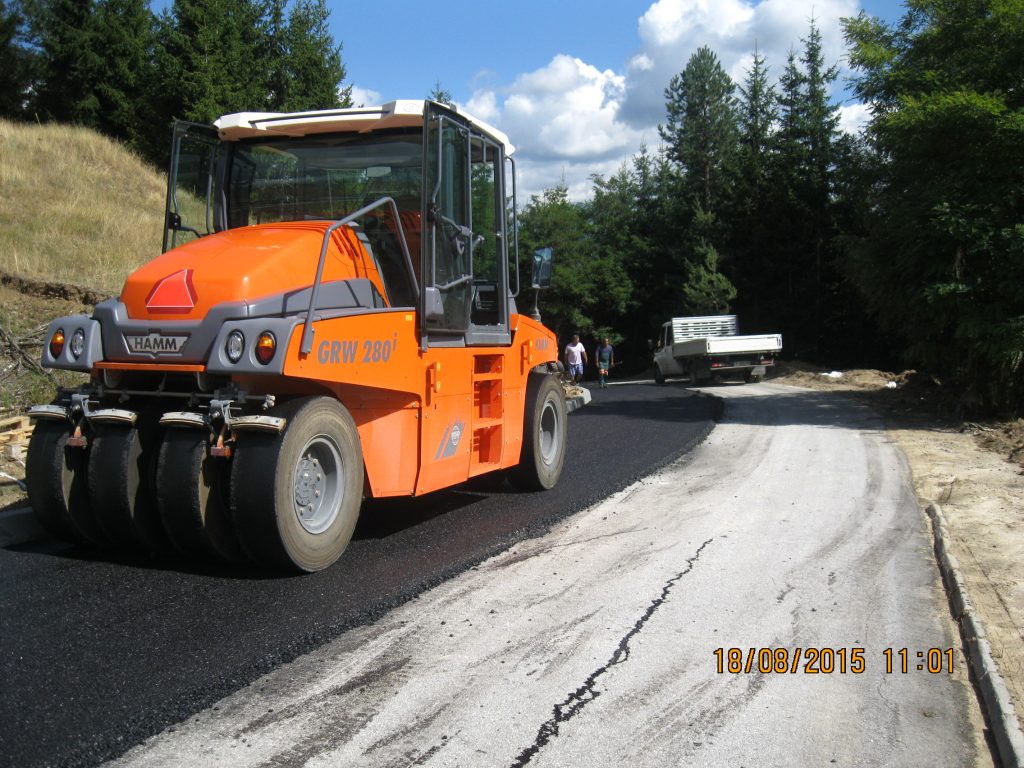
[853,117]
[364,97]
[563,118]
[570,120]
[672,30]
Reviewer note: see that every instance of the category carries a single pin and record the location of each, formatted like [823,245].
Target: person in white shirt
[575,358]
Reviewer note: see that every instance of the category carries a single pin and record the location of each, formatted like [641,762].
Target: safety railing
[307,329]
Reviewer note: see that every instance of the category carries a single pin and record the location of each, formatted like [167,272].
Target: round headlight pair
[266,346]
[77,343]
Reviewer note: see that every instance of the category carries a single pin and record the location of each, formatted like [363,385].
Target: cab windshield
[322,177]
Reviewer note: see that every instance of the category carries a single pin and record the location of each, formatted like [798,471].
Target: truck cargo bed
[728,345]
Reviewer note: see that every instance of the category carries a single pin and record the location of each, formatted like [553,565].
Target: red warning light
[175,293]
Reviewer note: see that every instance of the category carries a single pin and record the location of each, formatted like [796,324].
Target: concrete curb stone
[577,402]
[996,700]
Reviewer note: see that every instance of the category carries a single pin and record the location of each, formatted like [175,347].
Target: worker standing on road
[604,358]
[575,358]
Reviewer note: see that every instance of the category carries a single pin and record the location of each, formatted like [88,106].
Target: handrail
[307,329]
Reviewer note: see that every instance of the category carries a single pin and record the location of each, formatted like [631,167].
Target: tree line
[900,246]
[118,67]
[903,245]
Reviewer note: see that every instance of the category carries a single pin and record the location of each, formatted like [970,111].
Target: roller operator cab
[333,318]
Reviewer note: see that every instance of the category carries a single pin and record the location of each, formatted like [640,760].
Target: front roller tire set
[289,501]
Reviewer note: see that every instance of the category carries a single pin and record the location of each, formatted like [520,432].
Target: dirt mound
[51,290]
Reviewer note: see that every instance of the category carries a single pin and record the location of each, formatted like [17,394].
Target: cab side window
[449,220]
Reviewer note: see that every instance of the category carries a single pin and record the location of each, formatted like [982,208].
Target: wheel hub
[550,433]
[317,490]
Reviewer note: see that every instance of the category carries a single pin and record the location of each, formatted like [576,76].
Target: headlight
[77,343]
[235,346]
[266,345]
[57,343]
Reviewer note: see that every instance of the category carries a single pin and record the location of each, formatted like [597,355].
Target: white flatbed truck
[706,347]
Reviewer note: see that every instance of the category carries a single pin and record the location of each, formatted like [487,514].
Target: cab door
[446,301]
[192,208]
[447,248]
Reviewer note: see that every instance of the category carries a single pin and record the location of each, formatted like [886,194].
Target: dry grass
[75,207]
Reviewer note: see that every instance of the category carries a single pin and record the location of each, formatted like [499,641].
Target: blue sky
[578,85]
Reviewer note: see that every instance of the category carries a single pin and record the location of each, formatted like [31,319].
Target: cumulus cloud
[672,30]
[563,119]
[853,117]
[565,111]
[364,97]
[570,120]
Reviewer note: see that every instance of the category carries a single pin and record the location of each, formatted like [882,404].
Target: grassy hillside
[77,210]
[75,207]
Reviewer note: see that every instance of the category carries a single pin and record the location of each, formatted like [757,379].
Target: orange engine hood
[241,265]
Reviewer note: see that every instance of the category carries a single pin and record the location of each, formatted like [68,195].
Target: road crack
[576,701]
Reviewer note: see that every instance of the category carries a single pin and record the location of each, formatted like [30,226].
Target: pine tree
[701,126]
[71,62]
[757,117]
[701,133]
[441,95]
[314,67]
[18,61]
[706,290]
[124,34]
[748,217]
[209,58]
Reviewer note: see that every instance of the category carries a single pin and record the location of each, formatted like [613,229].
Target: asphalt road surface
[97,655]
[793,527]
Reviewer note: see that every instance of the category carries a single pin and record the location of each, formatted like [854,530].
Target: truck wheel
[751,378]
[119,487]
[659,377]
[295,497]
[544,434]
[56,478]
[191,496]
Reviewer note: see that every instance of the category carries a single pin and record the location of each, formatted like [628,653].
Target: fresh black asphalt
[97,654]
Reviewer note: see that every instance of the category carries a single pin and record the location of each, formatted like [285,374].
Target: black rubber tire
[751,378]
[119,486]
[545,433]
[659,377]
[264,477]
[192,497]
[56,479]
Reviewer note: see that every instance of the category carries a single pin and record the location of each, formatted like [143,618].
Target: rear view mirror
[541,268]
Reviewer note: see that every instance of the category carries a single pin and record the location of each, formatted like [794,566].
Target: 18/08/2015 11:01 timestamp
[827,660]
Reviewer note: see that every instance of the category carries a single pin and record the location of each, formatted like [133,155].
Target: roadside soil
[975,472]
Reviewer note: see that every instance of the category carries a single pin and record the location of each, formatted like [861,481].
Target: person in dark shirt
[604,358]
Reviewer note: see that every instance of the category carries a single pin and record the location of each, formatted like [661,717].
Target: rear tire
[751,378]
[659,377]
[56,479]
[544,434]
[192,497]
[295,497]
[119,487]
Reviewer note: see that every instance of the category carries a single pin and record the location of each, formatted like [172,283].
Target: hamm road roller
[332,318]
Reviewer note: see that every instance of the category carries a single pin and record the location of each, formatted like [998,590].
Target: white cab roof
[394,114]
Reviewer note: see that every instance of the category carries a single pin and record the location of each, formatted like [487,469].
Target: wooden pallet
[15,432]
